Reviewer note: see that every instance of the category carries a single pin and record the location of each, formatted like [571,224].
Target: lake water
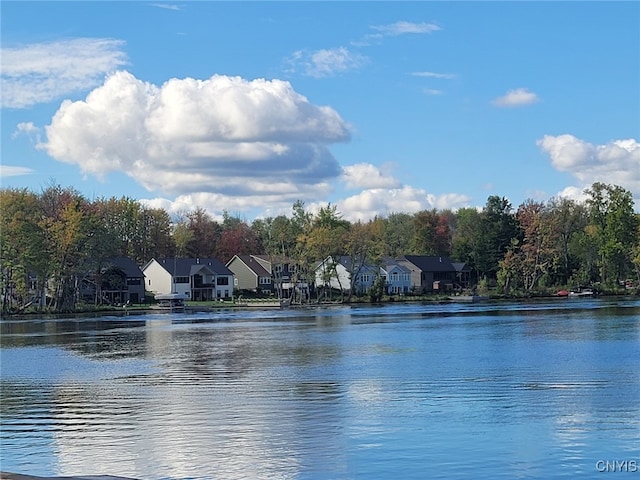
[408,391]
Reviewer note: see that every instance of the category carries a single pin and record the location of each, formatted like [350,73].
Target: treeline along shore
[52,239]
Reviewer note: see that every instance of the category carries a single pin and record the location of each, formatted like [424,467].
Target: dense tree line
[60,237]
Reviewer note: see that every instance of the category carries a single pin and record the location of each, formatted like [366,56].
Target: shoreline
[274,304]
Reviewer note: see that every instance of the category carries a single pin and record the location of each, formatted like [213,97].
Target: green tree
[497,229]
[538,254]
[70,226]
[613,229]
[158,241]
[22,248]
[182,238]
[398,234]
[326,236]
[568,220]
[466,236]
[122,221]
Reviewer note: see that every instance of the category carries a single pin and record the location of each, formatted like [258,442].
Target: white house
[200,279]
[341,274]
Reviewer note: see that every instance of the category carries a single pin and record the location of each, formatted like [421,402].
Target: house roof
[127,265]
[347,262]
[252,264]
[431,263]
[461,267]
[389,264]
[185,267]
[274,259]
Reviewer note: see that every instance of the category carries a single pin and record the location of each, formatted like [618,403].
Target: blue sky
[376,107]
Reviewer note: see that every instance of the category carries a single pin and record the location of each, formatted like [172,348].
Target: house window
[182,279]
[222,281]
[235,281]
[265,280]
[394,277]
[277,268]
[365,278]
[442,275]
[133,281]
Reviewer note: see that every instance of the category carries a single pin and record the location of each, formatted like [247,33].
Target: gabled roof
[389,264]
[185,267]
[127,265]
[347,262]
[461,267]
[274,259]
[252,264]
[431,263]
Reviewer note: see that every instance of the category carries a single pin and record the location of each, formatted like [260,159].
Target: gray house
[251,272]
[267,274]
[435,273]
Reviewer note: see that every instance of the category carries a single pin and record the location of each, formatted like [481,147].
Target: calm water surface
[539,390]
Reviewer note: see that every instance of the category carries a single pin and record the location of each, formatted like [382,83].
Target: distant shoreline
[271,304]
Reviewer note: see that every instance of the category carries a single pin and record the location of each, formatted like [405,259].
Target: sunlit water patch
[525,390]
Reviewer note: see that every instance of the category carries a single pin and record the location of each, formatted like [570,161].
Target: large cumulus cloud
[616,162]
[380,202]
[221,136]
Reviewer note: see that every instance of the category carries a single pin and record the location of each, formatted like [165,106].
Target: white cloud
[260,205]
[445,76]
[516,98]
[573,193]
[617,162]
[43,72]
[366,175]
[14,171]
[326,62]
[396,29]
[381,202]
[224,138]
[404,28]
[166,6]
[25,128]
[433,91]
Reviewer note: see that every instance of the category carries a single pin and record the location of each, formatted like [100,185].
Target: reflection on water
[542,390]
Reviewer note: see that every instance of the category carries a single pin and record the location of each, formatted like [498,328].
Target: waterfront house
[397,277]
[119,281]
[342,273]
[266,274]
[200,279]
[435,273]
[122,281]
[251,273]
